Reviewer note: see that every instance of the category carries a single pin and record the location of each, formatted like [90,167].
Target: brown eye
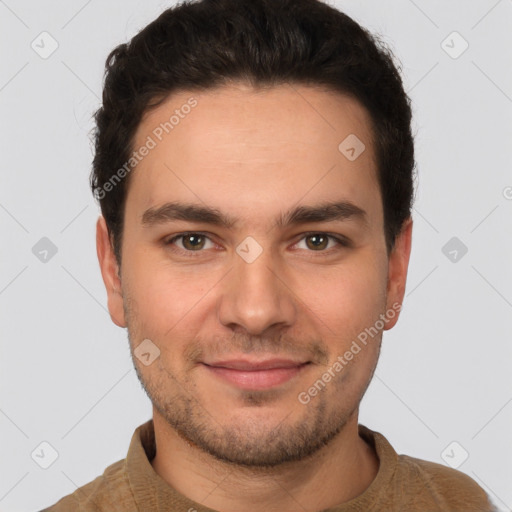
[193,241]
[317,241]
[189,243]
[323,242]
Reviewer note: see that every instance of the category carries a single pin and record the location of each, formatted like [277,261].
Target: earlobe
[110,273]
[397,271]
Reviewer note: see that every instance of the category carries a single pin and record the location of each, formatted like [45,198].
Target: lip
[254,365]
[256,375]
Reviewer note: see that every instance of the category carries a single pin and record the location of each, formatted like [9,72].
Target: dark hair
[208,43]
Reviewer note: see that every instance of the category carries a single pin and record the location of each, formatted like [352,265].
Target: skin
[254,154]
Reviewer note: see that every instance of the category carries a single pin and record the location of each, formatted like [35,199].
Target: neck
[335,474]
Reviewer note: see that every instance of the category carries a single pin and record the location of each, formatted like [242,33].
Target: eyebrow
[323,212]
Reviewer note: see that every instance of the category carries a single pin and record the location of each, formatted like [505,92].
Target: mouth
[256,375]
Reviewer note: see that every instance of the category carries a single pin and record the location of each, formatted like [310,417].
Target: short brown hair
[197,45]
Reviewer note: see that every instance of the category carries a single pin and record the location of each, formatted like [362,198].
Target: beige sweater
[402,484]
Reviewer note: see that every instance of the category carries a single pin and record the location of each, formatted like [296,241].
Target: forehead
[270,117]
[254,148]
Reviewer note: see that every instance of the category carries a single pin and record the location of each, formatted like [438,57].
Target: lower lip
[256,379]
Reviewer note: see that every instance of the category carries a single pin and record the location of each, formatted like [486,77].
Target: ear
[397,272]
[110,273]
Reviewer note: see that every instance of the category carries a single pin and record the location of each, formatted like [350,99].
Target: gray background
[66,373]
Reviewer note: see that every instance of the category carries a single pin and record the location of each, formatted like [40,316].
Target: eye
[319,242]
[194,242]
[190,242]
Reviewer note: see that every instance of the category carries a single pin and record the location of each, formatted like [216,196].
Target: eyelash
[341,241]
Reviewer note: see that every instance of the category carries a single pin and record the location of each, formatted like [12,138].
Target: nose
[256,295]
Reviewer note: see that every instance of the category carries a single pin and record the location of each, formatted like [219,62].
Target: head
[254,167]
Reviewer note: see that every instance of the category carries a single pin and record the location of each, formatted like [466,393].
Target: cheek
[164,296]
[348,299]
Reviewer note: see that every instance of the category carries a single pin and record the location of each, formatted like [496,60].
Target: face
[253,264]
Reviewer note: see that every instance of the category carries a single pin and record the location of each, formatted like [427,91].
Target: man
[254,166]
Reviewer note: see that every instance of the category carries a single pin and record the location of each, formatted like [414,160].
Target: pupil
[190,239]
[317,240]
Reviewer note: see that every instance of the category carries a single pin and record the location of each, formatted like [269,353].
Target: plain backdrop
[443,384]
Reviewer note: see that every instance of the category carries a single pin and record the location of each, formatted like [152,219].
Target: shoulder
[110,492]
[416,484]
[449,488]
